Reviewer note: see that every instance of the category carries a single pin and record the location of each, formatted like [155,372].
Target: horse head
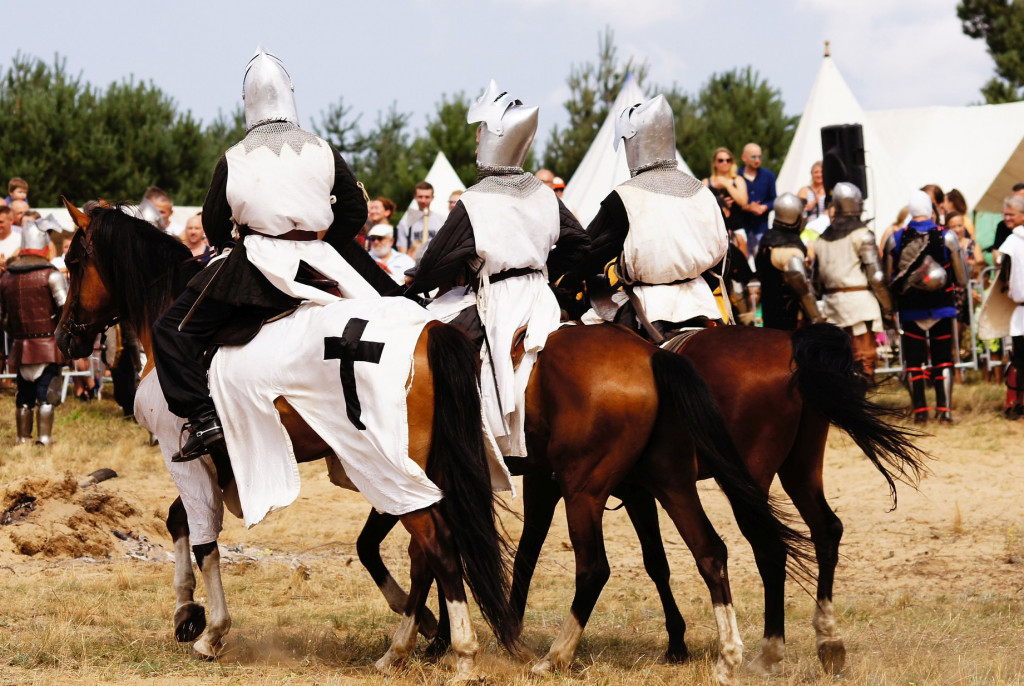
[89,308]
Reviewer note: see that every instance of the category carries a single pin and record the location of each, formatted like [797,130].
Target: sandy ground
[947,565]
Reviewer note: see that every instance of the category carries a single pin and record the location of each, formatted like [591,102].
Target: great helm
[33,237]
[789,213]
[649,131]
[148,211]
[507,128]
[267,91]
[847,199]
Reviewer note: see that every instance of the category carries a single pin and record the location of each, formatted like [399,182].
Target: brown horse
[629,413]
[779,414]
[123,268]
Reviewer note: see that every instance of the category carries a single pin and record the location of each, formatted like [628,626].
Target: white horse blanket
[346,368]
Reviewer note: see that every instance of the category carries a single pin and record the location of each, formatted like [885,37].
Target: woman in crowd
[378,212]
[813,194]
[731,191]
[901,220]
[955,203]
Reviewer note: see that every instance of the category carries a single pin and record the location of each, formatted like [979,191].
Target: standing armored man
[274,191]
[925,264]
[781,268]
[499,239]
[32,293]
[665,227]
[851,276]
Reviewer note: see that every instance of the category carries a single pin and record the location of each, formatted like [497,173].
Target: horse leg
[679,498]
[405,638]
[189,616]
[434,539]
[584,513]
[801,477]
[643,513]
[540,497]
[375,530]
[212,641]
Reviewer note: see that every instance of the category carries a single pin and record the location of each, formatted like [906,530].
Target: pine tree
[1001,24]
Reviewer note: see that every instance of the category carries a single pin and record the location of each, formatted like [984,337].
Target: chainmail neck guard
[667,179]
[274,135]
[511,181]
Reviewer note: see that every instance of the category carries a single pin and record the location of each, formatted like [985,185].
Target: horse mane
[143,267]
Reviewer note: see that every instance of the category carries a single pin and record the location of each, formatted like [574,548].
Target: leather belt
[848,289]
[293,235]
[511,273]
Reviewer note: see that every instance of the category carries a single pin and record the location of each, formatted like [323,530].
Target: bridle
[68,323]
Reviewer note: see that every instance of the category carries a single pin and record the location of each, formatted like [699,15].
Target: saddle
[678,340]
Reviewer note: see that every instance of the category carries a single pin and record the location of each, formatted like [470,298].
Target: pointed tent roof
[832,102]
[977,149]
[603,168]
[445,181]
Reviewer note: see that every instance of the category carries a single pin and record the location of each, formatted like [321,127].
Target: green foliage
[593,90]
[1000,23]
[732,109]
[67,137]
[448,132]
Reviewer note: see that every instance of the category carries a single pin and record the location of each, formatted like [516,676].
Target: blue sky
[893,54]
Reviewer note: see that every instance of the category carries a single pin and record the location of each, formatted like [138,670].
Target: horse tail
[686,396]
[830,383]
[469,504]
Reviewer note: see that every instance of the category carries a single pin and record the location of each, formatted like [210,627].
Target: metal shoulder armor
[956,258]
[58,287]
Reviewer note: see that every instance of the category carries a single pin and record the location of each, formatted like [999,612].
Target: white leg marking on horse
[395,595]
[464,642]
[563,649]
[730,646]
[402,644]
[773,651]
[831,651]
[184,578]
[211,642]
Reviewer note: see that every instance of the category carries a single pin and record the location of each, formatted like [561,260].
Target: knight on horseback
[274,194]
[506,238]
[664,226]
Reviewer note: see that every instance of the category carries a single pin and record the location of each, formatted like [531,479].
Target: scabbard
[202,295]
[641,316]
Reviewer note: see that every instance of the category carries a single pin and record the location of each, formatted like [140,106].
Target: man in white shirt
[418,227]
[382,241]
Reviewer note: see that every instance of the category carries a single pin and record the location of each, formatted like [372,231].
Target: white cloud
[626,14]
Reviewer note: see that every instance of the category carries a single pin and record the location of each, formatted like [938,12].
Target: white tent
[832,102]
[978,150]
[603,168]
[445,181]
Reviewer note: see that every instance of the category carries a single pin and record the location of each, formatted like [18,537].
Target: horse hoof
[542,668]
[436,648]
[203,657]
[832,655]
[675,656]
[189,622]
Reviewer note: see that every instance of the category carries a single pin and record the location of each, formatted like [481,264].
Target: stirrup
[204,432]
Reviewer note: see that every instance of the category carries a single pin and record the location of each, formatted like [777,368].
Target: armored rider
[786,289]
[849,273]
[664,226]
[273,192]
[925,264]
[32,293]
[500,241]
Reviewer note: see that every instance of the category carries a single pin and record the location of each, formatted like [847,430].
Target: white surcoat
[839,267]
[1013,247]
[280,179]
[512,230]
[672,238]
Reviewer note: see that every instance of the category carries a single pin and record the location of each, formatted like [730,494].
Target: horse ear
[80,218]
[104,204]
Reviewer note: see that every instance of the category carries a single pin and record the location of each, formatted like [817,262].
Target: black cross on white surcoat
[349,349]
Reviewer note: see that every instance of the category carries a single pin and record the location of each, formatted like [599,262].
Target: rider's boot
[24,415]
[943,379]
[44,420]
[204,432]
[918,379]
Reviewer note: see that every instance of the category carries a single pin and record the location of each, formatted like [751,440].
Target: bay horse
[124,268]
[778,411]
[640,411]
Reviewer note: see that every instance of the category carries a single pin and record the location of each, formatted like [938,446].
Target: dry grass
[929,594]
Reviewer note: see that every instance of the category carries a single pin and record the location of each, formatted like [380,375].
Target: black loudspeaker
[842,156]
